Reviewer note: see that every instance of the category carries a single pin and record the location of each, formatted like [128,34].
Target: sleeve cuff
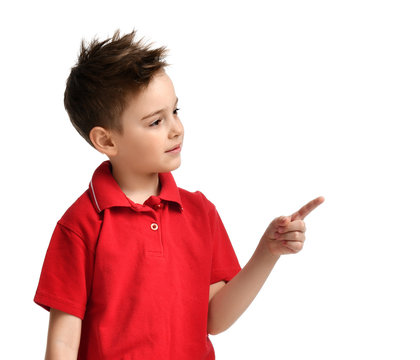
[224,274]
[47,302]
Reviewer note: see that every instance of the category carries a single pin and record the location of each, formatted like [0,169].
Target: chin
[171,167]
[176,166]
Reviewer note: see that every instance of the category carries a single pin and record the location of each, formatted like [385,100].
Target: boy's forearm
[60,351]
[63,336]
[233,299]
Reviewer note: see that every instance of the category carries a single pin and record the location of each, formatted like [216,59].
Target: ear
[103,141]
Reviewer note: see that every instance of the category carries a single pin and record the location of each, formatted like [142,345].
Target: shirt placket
[154,245]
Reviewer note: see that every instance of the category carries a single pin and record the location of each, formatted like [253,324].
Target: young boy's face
[143,147]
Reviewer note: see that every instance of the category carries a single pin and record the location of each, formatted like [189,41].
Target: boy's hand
[286,234]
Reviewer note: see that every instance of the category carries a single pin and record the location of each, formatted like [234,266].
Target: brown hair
[104,78]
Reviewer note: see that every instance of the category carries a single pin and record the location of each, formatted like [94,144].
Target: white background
[281,102]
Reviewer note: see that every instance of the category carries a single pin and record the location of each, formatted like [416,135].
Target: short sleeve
[66,274]
[225,264]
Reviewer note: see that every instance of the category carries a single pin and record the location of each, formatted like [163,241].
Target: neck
[138,187]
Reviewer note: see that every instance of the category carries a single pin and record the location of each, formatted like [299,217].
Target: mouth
[176,148]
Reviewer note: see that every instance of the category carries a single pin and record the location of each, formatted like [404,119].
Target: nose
[176,127]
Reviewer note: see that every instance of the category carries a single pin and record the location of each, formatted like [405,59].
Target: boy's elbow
[214,329]
[216,322]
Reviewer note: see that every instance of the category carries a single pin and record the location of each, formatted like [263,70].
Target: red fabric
[141,292]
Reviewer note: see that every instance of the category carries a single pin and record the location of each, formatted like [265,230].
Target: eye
[155,123]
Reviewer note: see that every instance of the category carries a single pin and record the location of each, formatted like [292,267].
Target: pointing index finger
[305,210]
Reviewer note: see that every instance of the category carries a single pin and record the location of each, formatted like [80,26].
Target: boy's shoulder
[195,200]
[83,207]
[82,218]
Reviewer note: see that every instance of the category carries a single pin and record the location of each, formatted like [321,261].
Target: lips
[174,148]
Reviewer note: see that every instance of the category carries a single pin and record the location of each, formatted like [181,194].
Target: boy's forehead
[159,94]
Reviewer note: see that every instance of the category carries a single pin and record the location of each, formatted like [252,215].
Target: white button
[154,226]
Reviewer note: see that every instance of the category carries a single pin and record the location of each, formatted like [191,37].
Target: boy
[138,268]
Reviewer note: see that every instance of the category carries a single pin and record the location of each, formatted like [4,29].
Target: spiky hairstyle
[105,77]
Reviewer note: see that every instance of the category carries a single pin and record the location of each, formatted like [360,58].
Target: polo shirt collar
[105,191]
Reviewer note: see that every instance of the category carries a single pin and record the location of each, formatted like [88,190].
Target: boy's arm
[284,235]
[63,336]
[229,303]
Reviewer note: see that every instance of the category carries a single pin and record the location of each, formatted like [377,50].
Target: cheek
[135,144]
[147,144]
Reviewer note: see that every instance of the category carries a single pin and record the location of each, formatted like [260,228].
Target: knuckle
[299,246]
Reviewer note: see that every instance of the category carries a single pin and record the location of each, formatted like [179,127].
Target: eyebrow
[157,112]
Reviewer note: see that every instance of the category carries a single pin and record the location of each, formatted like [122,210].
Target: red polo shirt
[137,275]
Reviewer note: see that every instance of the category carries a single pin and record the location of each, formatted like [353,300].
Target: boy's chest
[151,278]
[153,248]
